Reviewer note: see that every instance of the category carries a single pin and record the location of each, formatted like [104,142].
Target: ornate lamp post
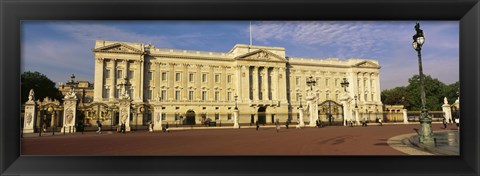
[356,107]
[344,84]
[300,96]
[73,84]
[50,110]
[311,82]
[425,121]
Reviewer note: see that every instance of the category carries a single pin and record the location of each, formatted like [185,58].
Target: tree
[394,96]
[435,91]
[41,85]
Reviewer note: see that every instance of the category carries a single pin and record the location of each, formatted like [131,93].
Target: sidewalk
[447,143]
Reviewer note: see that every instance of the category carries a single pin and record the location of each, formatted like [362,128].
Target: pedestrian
[444,121]
[256,123]
[317,123]
[99,126]
[287,123]
[44,125]
[122,127]
[277,125]
[150,126]
[166,128]
[380,121]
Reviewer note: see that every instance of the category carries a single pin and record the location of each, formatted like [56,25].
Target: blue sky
[60,48]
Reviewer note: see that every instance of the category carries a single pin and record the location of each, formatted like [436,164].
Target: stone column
[69,113]
[211,83]
[113,79]
[300,114]
[274,85]
[125,113]
[157,122]
[405,117]
[30,114]
[255,83]
[235,118]
[265,84]
[282,87]
[98,85]
[184,82]
[198,82]
[140,80]
[357,121]
[238,80]
[171,82]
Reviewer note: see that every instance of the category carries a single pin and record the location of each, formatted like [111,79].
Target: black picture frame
[14,12]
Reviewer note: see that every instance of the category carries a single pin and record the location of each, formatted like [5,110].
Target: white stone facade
[266,82]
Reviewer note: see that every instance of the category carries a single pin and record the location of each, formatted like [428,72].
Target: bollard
[39,132]
[64,130]
[70,129]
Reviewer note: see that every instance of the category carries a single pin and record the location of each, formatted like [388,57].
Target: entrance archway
[190,117]
[261,115]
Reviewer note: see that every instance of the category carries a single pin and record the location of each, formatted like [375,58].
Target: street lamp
[311,82]
[72,84]
[300,96]
[345,84]
[425,121]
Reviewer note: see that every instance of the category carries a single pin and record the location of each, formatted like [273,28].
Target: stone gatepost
[357,121]
[447,110]
[124,110]
[235,118]
[312,109]
[157,122]
[69,112]
[30,114]
[300,116]
[346,108]
[405,117]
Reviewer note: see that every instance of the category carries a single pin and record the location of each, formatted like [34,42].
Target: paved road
[334,140]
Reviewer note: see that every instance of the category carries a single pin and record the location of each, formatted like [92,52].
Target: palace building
[191,87]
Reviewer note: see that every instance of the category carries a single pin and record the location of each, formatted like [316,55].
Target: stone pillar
[125,113]
[346,109]
[357,121]
[30,114]
[405,117]
[300,114]
[235,118]
[157,122]
[448,112]
[312,108]
[255,83]
[69,113]
[275,84]
[113,79]
[246,83]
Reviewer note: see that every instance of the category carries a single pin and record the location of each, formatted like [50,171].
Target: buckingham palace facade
[191,87]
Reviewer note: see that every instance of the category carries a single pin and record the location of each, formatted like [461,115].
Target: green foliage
[435,91]
[41,85]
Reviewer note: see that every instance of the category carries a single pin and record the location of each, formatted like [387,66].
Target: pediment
[262,55]
[118,47]
[367,64]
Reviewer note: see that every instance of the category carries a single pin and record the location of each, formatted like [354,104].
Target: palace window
[131,74]
[336,97]
[177,95]
[298,96]
[190,77]
[336,83]
[164,94]
[229,96]
[117,93]
[190,95]
[164,76]
[217,95]
[217,116]
[132,91]
[149,76]
[217,78]
[106,93]
[119,74]
[229,116]
[327,96]
[164,116]
[149,94]
[297,81]
[107,73]
[326,82]
[204,77]
[366,97]
[229,78]
[178,76]
[204,95]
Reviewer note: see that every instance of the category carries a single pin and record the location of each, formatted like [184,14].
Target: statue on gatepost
[69,115]
[312,108]
[447,110]
[30,113]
